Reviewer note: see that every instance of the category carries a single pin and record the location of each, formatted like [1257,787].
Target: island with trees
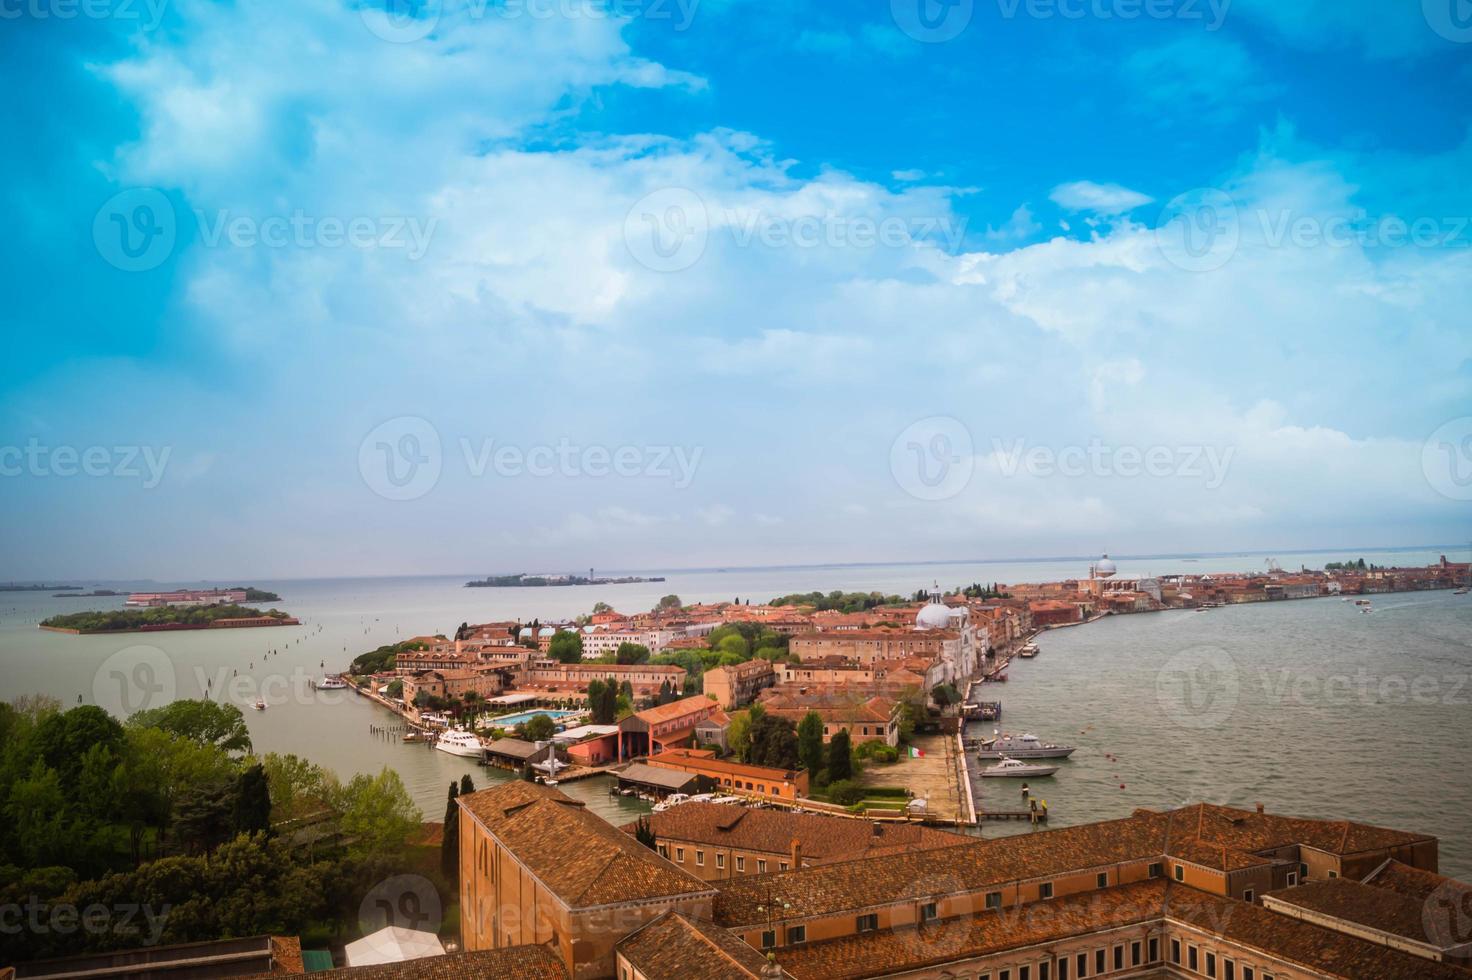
[159,618]
[521,580]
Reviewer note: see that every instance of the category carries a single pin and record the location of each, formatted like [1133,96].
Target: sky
[389,287]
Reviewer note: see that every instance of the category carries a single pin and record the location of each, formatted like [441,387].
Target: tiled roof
[676,946]
[676,709]
[1353,901]
[1246,830]
[1415,883]
[823,839]
[579,857]
[521,962]
[893,950]
[968,866]
[705,759]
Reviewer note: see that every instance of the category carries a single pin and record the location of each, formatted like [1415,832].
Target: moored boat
[459,742]
[1024,746]
[331,683]
[1015,768]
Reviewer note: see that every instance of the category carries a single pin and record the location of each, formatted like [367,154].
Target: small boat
[1362,602]
[1461,591]
[1022,747]
[457,741]
[259,706]
[1014,768]
[1029,651]
[331,684]
[674,799]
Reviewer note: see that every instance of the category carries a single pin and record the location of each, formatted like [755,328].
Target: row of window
[1081,965]
[761,864]
[1205,962]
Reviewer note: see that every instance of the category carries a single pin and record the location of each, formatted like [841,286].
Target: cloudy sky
[328,287]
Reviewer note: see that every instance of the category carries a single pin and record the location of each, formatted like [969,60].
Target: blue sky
[333,288]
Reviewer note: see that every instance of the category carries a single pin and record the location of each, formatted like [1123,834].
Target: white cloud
[1107,199]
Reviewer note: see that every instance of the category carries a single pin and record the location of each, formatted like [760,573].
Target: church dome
[1104,567]
[935,615]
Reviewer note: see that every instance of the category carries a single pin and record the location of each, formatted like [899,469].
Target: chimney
[796,854]
[1259,808]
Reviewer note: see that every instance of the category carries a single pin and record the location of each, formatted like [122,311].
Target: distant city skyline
[325,289]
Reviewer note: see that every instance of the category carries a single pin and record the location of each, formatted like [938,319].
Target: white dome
[1104,567]
[547,631]
[525,631]
[935,615]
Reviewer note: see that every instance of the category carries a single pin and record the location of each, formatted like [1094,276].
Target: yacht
[1461,591]
[1014,768]
[1029,651]
[674,799]
[331,684]
[1021,747]
[457,741]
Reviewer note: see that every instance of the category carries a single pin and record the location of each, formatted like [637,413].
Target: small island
[17,587]
[95,593]
[523,581]
[160,618]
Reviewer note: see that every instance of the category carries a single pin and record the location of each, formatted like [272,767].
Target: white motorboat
[331,684]
[259,706]
[1029,651]
[674,799]
[1025,746]
[1015,768]
[457,741]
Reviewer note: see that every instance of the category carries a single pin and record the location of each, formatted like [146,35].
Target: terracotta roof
[1413,882]
[676,946]
[823,839]
[908,948]
[676,709]
[522,962]
[1366,905]
[579,857]
[1246,830]
[706,760]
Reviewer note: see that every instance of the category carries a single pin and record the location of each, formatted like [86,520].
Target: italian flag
[916,753]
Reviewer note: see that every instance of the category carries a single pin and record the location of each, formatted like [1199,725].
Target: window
[761,866]
[928,912]
[797,934]
[720,860]
[1135,953]
[1247,972]
[1333,874]
[1101,880]
[1119,957]
[1210,964]
[1154,949]
[1004,975]
[664,851]
[1024,973]
[1156,870]
[1229,970]
[1175,951]
[1045,890]
[868,923]
[1098,961]
[680,854]
[993,900]
[1062,968]
[1247,894]
[769,939]
[1083,965]
[700,859]
[781,865]
[1193,957]
[740,863]
[1180,873]
[1292,878]
[1043,970]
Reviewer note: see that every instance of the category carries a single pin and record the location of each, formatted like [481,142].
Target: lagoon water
[1309,706]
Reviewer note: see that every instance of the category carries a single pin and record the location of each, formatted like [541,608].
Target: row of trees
[99,621]
[838,601]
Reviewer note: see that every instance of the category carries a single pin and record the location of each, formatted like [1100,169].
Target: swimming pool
[511,721]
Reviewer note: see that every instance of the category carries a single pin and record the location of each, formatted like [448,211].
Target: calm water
[1110,687]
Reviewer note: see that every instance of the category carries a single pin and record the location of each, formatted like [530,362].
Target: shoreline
[170,627]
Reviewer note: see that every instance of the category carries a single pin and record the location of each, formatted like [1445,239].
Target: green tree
[204,817]
[199,721]
[644,833]
[566,647]
[840,756]
[738,734]
[773,743]
[631,653]
[467,785]
[945,694]
[810,743]
[670,602]
[450,844]
[253,802]
[376,814]
[538,728]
